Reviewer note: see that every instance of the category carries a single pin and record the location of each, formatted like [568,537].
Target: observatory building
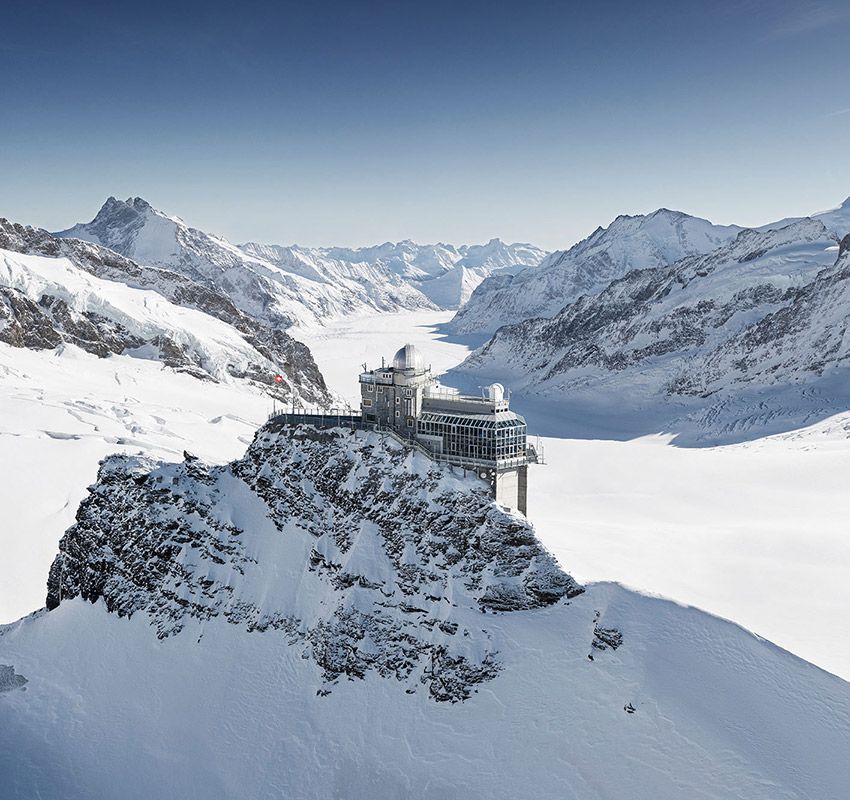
[479,433]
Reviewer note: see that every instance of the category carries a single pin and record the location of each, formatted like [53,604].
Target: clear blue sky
[354,123]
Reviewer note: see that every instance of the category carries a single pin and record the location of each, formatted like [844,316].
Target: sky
[353,123]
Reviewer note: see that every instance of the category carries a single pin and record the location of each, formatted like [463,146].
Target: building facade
[391,397]
[480,434]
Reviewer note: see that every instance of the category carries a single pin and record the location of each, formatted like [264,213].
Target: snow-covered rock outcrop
[355,548]
[334,615]
[628,243]
[65,291]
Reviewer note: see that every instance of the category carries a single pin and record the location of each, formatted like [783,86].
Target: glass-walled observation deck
[498,438]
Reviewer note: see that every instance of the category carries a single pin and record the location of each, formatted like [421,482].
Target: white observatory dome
[409,358]
[495,391]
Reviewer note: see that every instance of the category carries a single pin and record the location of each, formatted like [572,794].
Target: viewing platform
[329,418]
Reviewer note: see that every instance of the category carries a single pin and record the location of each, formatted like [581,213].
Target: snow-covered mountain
[628,243]
[334,615]
[295,287]
[445,274]
[769,310]
[59,292]
[291,285]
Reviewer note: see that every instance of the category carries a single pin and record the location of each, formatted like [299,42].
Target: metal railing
[331,418]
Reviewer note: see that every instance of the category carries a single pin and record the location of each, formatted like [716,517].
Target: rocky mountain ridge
[767,310]
[291,285]
[47,300]
[628,243]
[298,290]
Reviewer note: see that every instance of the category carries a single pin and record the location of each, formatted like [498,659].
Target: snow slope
[836,220]
[58,291]
[320,631]
[47,303]
[628,243]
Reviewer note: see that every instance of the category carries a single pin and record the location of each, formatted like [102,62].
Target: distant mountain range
[290,285]
[446,275]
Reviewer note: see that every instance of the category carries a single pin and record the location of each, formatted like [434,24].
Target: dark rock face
[398,555]
[51,322]
[603,638]
[9,679]
[24,324]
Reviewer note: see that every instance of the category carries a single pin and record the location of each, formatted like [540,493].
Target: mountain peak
[139,203]
[668,212]
[122,211]
[641,219]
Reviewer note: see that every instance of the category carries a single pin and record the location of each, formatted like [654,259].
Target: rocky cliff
[355,549]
